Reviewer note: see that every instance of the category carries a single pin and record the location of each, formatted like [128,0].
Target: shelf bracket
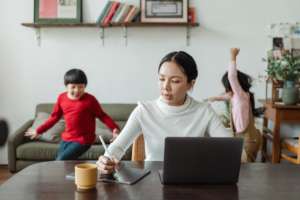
[102,35]
[125,35]
[38,36]
[188,35]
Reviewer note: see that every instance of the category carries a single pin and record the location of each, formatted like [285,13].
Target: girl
[241,106]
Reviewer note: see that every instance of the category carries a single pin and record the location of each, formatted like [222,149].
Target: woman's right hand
[31,133]
[106,165]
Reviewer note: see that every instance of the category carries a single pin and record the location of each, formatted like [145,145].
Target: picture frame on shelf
[296,53]
[278,43]
[164,11]
[57,11]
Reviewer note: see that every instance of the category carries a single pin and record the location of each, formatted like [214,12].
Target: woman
[174,113]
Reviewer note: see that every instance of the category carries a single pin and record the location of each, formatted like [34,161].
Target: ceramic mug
[86,176]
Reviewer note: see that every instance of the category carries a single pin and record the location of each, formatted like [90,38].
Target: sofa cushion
[51,135]
[37,151]
[42,151]
[118,111]
[106,133]
[93,153]
[48,151]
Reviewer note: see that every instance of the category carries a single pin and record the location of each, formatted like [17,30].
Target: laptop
[204,160]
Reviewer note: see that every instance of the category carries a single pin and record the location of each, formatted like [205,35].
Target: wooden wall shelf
[38,28]
[94,25]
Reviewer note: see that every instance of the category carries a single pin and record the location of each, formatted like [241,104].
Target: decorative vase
[290,93]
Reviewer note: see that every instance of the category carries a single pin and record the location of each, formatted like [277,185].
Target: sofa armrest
[14,141]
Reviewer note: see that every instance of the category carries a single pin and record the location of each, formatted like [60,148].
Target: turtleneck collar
[173,109]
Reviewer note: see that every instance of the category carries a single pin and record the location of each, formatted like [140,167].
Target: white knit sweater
[157,120]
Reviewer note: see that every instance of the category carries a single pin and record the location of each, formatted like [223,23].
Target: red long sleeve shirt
[80,118]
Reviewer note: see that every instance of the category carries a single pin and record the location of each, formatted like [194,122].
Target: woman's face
[173,84]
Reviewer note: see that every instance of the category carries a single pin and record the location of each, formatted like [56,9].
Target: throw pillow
[52,135]
[105,133]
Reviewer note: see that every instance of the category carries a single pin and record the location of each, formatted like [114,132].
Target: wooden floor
[4,173]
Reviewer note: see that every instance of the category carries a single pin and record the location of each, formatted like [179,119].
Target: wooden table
[278,114]
[257,181]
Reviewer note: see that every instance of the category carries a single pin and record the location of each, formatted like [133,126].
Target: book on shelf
[123,13]
[112,11]
[117,13]
[132,14]
[104,12]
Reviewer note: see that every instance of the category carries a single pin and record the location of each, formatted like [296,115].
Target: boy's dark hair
[185,61]
[75,76]
[245,82]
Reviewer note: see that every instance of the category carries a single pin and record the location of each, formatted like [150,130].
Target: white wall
[30,74]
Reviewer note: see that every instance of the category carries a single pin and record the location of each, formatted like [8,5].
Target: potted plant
[283,66]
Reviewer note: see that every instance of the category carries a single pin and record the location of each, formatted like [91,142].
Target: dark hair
[245,82]
[185,61]
[75,76]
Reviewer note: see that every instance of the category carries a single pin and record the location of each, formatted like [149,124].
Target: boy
[79,109]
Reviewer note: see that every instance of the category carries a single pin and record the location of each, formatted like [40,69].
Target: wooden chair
[138,149]
[291,146]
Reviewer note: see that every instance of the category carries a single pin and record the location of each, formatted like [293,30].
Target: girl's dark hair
[245,82]
[185,61]
[75,76]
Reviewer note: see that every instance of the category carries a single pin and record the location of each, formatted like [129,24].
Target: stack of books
[115,12]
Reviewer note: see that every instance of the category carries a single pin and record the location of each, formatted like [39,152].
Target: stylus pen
[105,148]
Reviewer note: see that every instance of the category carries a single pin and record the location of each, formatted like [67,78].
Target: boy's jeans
[71,150]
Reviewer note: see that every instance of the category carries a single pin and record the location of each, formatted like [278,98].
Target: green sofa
[23,152]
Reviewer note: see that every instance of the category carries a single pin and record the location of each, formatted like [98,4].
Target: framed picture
[170,11]
[57,11]
[278,43]
[296,53]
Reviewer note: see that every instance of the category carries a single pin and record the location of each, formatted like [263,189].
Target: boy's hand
[31,133]
[115,134]
[234,52]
